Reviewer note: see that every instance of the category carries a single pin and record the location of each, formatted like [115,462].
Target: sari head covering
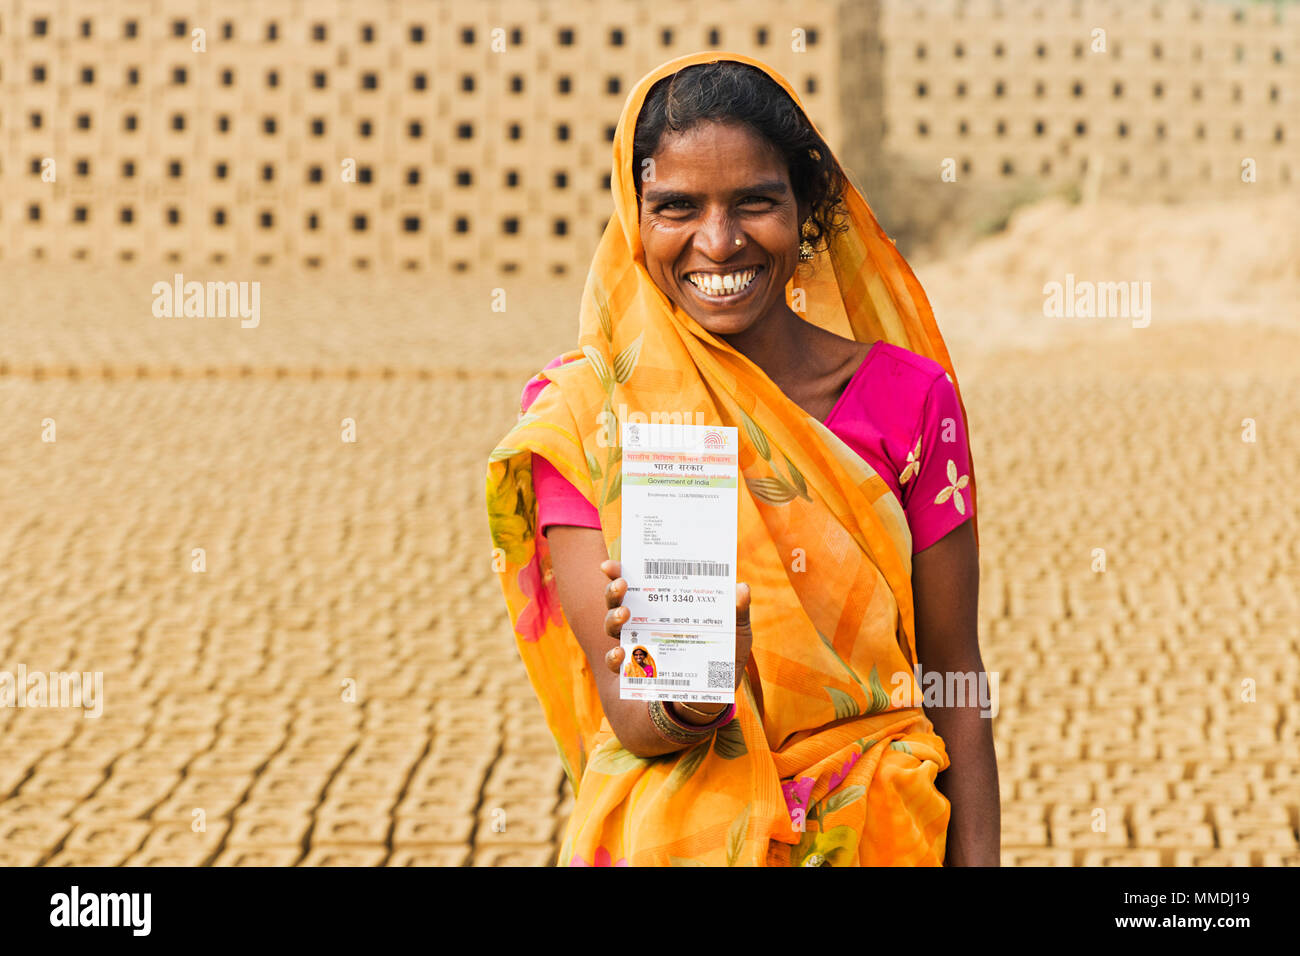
[830,759]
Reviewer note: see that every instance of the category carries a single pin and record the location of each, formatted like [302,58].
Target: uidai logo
[102,909]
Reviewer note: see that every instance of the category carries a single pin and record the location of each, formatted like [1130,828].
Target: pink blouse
[894,400]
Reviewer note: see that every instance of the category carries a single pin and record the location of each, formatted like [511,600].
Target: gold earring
[806,251]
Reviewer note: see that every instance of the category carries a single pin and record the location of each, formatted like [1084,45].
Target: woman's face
[713,184]
[639,655]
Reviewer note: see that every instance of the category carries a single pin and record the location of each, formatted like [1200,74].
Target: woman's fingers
[616,615]
[744,635]
[742,604]
[615,591]
[614,621]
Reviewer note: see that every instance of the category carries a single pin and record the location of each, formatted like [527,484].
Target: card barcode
[659,681]
[669,567]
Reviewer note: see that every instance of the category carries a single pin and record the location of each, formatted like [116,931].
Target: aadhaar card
[679,560]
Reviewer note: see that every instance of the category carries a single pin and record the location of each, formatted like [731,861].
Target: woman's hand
[616,616]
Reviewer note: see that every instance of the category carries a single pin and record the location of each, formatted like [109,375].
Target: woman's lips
[718,293]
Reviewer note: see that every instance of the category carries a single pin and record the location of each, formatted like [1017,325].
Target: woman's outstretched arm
[945,590]
[591,592]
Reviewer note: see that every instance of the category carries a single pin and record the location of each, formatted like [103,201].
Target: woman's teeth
[730,284]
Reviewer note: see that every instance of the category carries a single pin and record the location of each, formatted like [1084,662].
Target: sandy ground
[339,684]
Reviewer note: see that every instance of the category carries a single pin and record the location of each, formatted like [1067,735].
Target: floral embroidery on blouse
[955,485]
[913,464]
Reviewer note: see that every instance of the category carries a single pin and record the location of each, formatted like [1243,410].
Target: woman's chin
[723,324]
[723,321]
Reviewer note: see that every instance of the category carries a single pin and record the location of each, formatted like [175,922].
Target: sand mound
[1225,260]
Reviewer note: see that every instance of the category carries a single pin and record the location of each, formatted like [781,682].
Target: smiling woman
[734,190]
[856,527]
[721,249]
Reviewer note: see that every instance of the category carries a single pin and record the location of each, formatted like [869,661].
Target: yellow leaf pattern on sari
[953,490]
[913,464]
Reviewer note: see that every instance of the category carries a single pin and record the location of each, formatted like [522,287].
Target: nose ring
[740,241]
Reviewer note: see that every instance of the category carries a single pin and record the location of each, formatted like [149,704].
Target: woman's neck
[778,344]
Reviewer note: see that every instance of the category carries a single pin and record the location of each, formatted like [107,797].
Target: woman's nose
[716,237]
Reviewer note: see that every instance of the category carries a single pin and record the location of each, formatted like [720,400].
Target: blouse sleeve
[558,501]
[936,480]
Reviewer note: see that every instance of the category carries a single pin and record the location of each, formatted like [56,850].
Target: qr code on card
[720,675]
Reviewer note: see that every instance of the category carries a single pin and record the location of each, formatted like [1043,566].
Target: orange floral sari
[819,766]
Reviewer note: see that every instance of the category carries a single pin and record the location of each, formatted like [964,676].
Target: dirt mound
[1208,261]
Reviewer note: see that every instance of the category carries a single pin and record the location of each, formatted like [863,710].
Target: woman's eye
[684,205]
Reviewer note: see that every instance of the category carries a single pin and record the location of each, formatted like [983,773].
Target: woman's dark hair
[728,91]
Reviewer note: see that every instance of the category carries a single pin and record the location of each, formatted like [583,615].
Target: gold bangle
[670,731]
[685,706]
